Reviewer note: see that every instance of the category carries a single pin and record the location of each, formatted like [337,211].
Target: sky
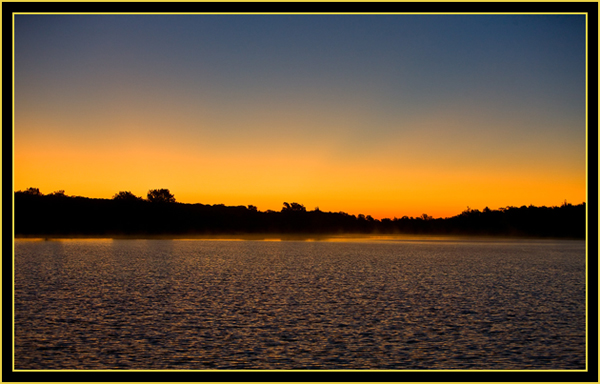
[384,115]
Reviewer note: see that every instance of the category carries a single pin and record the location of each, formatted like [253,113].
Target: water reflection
[159,304]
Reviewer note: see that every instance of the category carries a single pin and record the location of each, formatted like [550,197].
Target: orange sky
[394,180]
[467,112]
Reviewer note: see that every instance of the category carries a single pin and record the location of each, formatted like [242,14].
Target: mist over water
[375,304]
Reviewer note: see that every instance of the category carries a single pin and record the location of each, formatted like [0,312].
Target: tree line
[57,214]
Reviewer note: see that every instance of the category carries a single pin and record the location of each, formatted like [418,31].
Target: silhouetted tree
[160,196]
[294,207]
[126,196]
[32,191]
[60,192]
[252,208]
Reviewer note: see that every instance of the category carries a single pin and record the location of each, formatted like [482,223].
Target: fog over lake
[379,303]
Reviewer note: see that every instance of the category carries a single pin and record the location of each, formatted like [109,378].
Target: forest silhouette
[60,215]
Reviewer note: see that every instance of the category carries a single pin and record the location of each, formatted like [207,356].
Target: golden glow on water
[65,239]
[341,238]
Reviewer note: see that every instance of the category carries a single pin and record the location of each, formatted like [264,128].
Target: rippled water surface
[174,304]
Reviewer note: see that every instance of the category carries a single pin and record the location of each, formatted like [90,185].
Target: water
[175,304]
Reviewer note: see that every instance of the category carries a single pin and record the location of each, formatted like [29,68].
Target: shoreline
[356,237]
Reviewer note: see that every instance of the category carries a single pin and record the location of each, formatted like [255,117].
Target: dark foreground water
[164,304]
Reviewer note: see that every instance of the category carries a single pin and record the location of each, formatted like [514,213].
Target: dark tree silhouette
[294,207]
[59,215]
[126,196]
[32,191]
[160,196]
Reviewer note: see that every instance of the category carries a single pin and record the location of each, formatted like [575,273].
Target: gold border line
[587,199]
[300,370]
[13,194]
[299,13]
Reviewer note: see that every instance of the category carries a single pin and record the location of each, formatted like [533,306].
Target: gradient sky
[387,115]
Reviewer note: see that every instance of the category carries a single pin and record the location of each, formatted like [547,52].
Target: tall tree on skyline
[126,195]
[160,196]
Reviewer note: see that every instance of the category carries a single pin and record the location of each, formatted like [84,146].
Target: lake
[346,304]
